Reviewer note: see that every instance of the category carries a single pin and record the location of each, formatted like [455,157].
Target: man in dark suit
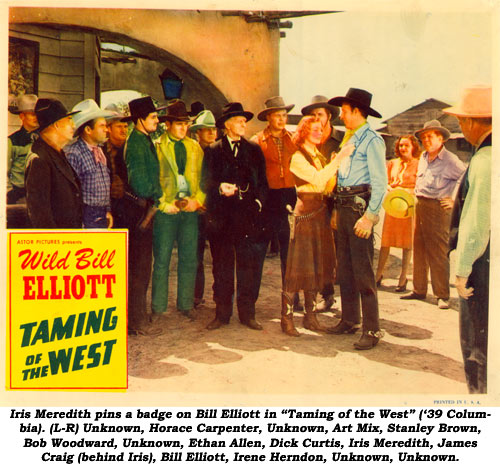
[53,193]
[234,180]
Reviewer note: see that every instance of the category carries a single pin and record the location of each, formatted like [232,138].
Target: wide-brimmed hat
[24,103]
[205,119]
[49,111]
[88,110]
[143,106]
[436,126]
[274,104]
[399,203]
[357,98]
[117,113]
[318,102]
[196,108]
[475,102]
[176,112]
[233,109]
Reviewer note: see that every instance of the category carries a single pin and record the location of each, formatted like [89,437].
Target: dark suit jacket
[53,193]
[240,215]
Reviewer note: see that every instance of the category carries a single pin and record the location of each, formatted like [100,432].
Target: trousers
[168,229]
[355,272]
[430,248]
[246,256]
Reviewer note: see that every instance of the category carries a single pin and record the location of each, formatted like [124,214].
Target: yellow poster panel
[67,302]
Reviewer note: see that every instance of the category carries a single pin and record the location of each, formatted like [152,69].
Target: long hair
[416,150]
[303,129]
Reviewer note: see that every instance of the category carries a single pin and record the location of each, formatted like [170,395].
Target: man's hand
[170,209]
[461,285]
[109,218]
[446,203]
[192,205]
[363,227]
[346,151]
[228,189]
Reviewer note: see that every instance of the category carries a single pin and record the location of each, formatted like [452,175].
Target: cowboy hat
[399,203]
[88,110]
[205,119]
[24,103]
[274,104]
[196,108]
[49,111]
[233,109]
[318,102]
[117,114]
[357,98]
[176,112]
[475,102]
[141,107]
[434,125]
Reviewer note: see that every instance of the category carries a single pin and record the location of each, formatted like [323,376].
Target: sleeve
[475,221]
[75,161]
[304,170]
[38,181]
[10,156]
[199,194]
[136,155]
[262,188]
[375,156]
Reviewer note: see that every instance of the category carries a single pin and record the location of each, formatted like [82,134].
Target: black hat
[233,109]
[321,102]
[176,112]
[49,111]
[196,108]
[358,98]
[143,106]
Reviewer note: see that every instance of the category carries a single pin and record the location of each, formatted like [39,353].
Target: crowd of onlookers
[315,193]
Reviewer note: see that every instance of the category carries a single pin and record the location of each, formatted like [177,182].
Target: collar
[440,154]
[483,138]
[232,141]
[267,133]
[171,138]
[90,146]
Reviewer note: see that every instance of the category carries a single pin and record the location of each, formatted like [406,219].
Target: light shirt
[475,220]
[439,179]
[366,165]
[232,143]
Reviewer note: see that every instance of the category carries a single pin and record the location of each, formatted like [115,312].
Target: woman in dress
[311,254]
[398,233]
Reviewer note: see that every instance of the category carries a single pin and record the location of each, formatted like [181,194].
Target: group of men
[83,170]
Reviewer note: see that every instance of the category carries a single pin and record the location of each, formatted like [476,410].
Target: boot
[310,317]
[287,325]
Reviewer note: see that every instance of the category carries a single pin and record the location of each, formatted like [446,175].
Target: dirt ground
[419,355]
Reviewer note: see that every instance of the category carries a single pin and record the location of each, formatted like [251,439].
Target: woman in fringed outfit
[311,254]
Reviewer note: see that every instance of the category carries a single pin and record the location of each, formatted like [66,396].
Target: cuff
[372,217]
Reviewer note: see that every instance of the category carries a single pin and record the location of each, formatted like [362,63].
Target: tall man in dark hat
[330,144]
[471,225]
[143,176]
[53,194]
[176,222]
[234,180]
[205,131]
[277,146]
[438,174]
[89,162]
[122,204]
[19,145]
[361,186]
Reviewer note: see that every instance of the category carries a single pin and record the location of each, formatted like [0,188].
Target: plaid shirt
[94,177]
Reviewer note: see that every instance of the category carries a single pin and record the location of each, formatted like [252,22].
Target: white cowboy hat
[88,110]
[475,102]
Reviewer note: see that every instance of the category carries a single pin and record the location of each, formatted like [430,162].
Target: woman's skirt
[397,232]
[311,254]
